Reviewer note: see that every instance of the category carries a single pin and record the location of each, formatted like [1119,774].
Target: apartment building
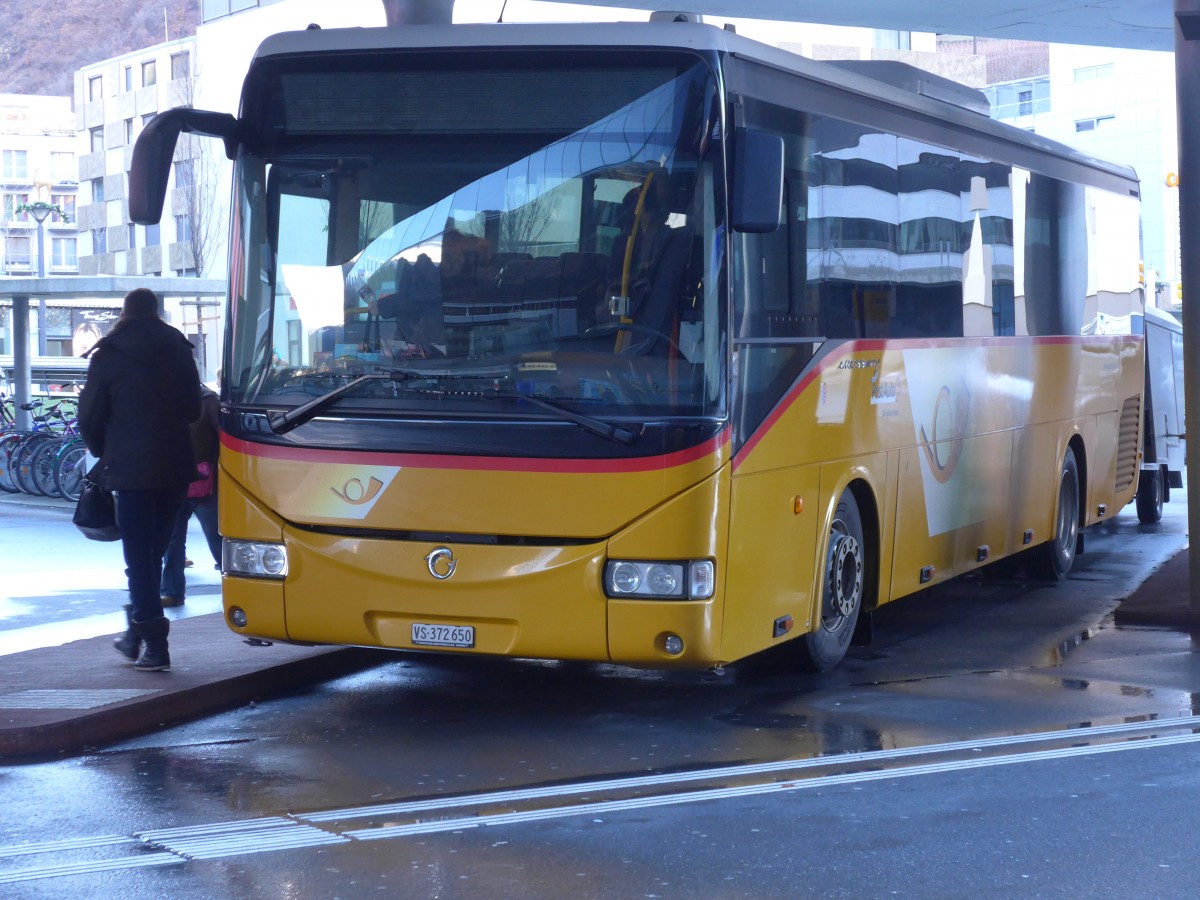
[1112,103]
[114,100]
[37,164]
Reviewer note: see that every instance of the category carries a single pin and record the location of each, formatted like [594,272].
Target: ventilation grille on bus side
[1127,443]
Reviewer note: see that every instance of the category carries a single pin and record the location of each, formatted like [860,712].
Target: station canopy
[1132,24]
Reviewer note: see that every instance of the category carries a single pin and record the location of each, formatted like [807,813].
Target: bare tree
[198,178]
[523,224]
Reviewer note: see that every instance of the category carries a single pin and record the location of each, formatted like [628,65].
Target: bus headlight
[685,580]
[254,559]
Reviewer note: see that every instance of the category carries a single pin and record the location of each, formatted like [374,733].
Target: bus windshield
[490,232]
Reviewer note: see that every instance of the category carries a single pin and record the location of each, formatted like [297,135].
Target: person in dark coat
[141,395]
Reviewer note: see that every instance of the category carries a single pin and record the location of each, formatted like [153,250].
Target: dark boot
[129,643]
[154,656]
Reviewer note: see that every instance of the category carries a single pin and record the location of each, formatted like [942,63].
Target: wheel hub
[845,575]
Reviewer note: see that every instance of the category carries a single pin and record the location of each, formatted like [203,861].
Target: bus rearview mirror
[154,151]
[757,181]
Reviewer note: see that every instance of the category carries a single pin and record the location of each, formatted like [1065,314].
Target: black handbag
[96,512]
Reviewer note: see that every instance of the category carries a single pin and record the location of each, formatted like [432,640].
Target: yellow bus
[648,343]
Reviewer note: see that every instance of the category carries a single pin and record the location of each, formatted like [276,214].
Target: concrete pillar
[43,325]
[418,12]
[22,376]
[1187,74]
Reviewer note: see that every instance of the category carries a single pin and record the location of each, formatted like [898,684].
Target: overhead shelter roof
[1134,24]
[79,286]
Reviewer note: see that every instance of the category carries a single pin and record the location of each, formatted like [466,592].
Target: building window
[128,131]
[96,87]
[1019,98]
[65,202]
[183,229]
[129,78]
[180,65]
[213,9]
[1091,73]
[148,74]
[11,202]
[147,119]
[1093,124]
[99,240]
[62,167]
[132,236]
[63,253]
[152,238]
[97,138]
[294,340]
[184,175]
[16,165]
[17,253]
[97,190]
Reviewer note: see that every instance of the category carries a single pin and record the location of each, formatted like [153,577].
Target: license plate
[443,635]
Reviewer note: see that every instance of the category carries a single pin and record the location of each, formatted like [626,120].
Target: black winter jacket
[142,392]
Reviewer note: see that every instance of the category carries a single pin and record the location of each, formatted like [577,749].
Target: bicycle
[70,465]
[30,447]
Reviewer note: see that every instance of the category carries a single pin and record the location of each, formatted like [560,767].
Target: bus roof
[865,79]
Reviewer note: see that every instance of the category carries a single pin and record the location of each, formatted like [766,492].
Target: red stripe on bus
[477,463]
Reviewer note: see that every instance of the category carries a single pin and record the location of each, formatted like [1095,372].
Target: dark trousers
[205,509]
[146,519]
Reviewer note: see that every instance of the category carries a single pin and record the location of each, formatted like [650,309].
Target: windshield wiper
[621,434]
[282,423]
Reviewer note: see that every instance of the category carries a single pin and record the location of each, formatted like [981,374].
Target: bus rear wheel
[1150,496]
[1053,560]
[842,597]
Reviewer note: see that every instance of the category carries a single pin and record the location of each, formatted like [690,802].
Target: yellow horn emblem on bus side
[944,471]
[355,494]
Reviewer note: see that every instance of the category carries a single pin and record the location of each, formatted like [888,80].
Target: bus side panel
[1104,431]
[1033,479]
[920,558]
[986,536]
[1113,425]
[773,556]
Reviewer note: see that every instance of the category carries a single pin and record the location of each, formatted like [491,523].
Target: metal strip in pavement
[235,838]
[592,809]
[738,771]
[104,840]
[89,868]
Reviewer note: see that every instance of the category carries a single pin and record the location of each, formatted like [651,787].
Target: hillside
[42,44]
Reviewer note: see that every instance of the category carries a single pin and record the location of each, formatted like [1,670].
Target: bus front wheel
[1053,560]
[842,598]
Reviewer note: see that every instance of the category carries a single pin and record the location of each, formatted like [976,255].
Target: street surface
[1000,738]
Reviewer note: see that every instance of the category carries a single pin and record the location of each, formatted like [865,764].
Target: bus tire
[1053,559]
[1150,497]
[842,596]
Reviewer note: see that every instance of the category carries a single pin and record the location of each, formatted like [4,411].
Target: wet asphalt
[999,737]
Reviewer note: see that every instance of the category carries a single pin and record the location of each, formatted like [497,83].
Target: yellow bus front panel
[527,595]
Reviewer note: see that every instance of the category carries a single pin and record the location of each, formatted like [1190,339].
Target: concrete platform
[1162,599]
[81,695]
